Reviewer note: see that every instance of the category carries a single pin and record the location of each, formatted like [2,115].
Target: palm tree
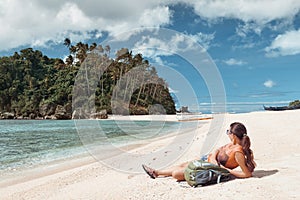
[72,49]
[67,42]
[92,46]
[69,60]
[81,50]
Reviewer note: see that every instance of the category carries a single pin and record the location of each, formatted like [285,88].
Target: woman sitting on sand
[234,154]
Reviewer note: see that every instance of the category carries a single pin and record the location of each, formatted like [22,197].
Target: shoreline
[48,168]
[275,143]
[166,117]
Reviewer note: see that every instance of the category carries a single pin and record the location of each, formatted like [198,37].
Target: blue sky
[255,45]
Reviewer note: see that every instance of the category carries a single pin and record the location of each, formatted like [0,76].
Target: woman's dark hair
[240,131]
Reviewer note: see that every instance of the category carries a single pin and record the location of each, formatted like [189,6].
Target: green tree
[294,103]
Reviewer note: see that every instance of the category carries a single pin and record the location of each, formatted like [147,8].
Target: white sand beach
[275,141]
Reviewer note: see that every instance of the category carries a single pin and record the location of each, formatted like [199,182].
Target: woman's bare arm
[213,157]
[245,173]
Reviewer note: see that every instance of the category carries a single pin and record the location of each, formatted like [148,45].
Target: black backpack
[204,173]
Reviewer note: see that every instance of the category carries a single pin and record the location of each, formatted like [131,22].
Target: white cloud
[35,24]
[71,15]
[203,39]
[153,47]
[233,61]
[243,30]
[156,16]
[38,23]
[269,83]
[247,10]
[285,44]
[255,15]
[158,47]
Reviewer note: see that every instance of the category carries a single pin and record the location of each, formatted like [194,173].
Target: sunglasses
[229,132]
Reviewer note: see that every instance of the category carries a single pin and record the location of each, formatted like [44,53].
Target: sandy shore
[275,142]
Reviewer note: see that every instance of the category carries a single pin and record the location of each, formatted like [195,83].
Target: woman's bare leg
[176,172]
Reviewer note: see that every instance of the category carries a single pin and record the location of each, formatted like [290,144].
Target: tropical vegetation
[33,85]
[294,103]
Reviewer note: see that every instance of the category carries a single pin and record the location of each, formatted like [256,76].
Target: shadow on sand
[263,173]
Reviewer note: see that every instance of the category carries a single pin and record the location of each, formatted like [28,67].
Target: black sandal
[149,171]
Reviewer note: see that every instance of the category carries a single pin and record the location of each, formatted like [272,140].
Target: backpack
[203,173]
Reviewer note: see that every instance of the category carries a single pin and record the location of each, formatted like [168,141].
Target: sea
[25,144]
[238,107]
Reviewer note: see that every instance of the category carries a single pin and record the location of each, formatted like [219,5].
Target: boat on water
[192,116]
[185,115]
[281,108]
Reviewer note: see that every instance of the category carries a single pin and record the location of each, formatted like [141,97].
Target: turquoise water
[28,143]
